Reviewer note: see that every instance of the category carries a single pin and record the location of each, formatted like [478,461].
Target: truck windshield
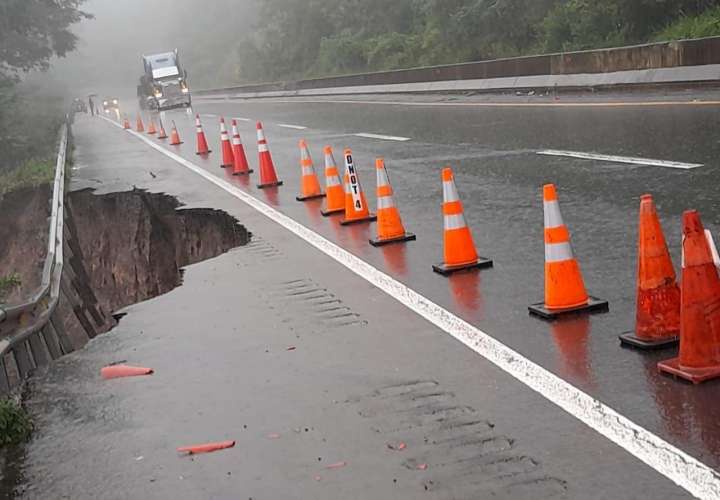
[164,67]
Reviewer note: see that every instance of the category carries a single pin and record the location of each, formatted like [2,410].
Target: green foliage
[307,38]
[15,424]
[8,283]
[705,24]
[32,173]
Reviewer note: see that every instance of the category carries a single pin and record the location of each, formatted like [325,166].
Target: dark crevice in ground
[135,244]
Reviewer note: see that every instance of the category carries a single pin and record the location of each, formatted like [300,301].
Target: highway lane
[319,407]
[499,174]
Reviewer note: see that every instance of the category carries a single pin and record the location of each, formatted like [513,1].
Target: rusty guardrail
[655,56]
[20,349]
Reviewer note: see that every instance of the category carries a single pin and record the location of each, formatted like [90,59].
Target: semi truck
[163,84]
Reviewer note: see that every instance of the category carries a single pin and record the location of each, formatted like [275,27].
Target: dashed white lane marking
[295,127]
[685,471]
[243,119]
[620,159]
[382,137]
[210,115]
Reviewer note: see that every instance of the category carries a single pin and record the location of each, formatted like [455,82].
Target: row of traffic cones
[152,130]
[666,313]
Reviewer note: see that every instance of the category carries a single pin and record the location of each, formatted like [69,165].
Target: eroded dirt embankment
[23,239]
[135,243]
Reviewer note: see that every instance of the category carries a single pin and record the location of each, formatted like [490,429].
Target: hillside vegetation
[304,38]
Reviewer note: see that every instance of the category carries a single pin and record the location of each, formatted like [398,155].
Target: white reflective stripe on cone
[332,181]
[456,221]
[308,171]
[261,135]
[385,202]
[199,130]
[450,192]
[236,141]
[558,252]
[551,210]
[713,248]
[382,179]
[224,136]
[263,148]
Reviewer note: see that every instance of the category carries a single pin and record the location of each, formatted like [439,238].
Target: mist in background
[108,56]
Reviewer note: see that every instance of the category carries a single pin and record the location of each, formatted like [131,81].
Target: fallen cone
[119,371]
[206,448]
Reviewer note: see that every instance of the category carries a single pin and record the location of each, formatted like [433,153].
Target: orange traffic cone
[564,286]
[356,206]
[126,123]
[309,184]
[227,154]
[206,448]
[202,145]
[335,194]
[139,127]
[657,322]
[240,166]
[162,134]
[151,128]
[174,136]
[118,371]
[459,249]
[390,228]
[268,176]
[699,358]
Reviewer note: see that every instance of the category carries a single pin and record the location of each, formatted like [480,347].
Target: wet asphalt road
[317,374]
[499,176]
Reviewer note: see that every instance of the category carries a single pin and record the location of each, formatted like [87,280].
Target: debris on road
[119,371]
[397,446]
[273,435]
[206,448]
[337,465]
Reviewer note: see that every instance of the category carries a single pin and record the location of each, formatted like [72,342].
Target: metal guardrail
[19,321]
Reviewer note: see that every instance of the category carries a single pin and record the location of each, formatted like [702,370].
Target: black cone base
[270,184]
[377,242]
[369,218]
[629,339]
[447,270]
[594,305]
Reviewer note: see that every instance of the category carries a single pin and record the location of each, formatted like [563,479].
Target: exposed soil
[135,243]
[23,238]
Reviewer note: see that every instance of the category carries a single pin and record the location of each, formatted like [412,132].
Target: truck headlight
[185,90]
[115,101]
[104,103]
[157,93]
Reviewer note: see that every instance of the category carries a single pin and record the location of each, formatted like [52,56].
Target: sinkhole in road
[134,244]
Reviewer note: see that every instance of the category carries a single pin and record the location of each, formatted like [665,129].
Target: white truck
[164,83]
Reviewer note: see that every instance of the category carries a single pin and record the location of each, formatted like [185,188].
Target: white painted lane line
[209,115]
[685,471]
[620,159]
[383,137]
[243,119]
[295,127]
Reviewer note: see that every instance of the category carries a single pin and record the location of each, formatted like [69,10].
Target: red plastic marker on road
[119,371]
[206,448]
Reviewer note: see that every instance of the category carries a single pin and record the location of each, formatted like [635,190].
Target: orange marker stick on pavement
[334,190]
[202,145]
[657,317]
[390,228]
[459,253]
[356,206]
[120,371]
[240,167]
[564,287]
[309,183]
[268,176]
[699,356]
[206,448]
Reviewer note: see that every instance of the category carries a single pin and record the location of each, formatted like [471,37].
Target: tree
[34,31]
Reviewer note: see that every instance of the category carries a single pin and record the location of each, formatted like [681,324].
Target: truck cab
[164,83]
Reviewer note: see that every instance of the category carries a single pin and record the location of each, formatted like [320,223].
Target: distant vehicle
[164,83]
[79,105]
[110,104]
